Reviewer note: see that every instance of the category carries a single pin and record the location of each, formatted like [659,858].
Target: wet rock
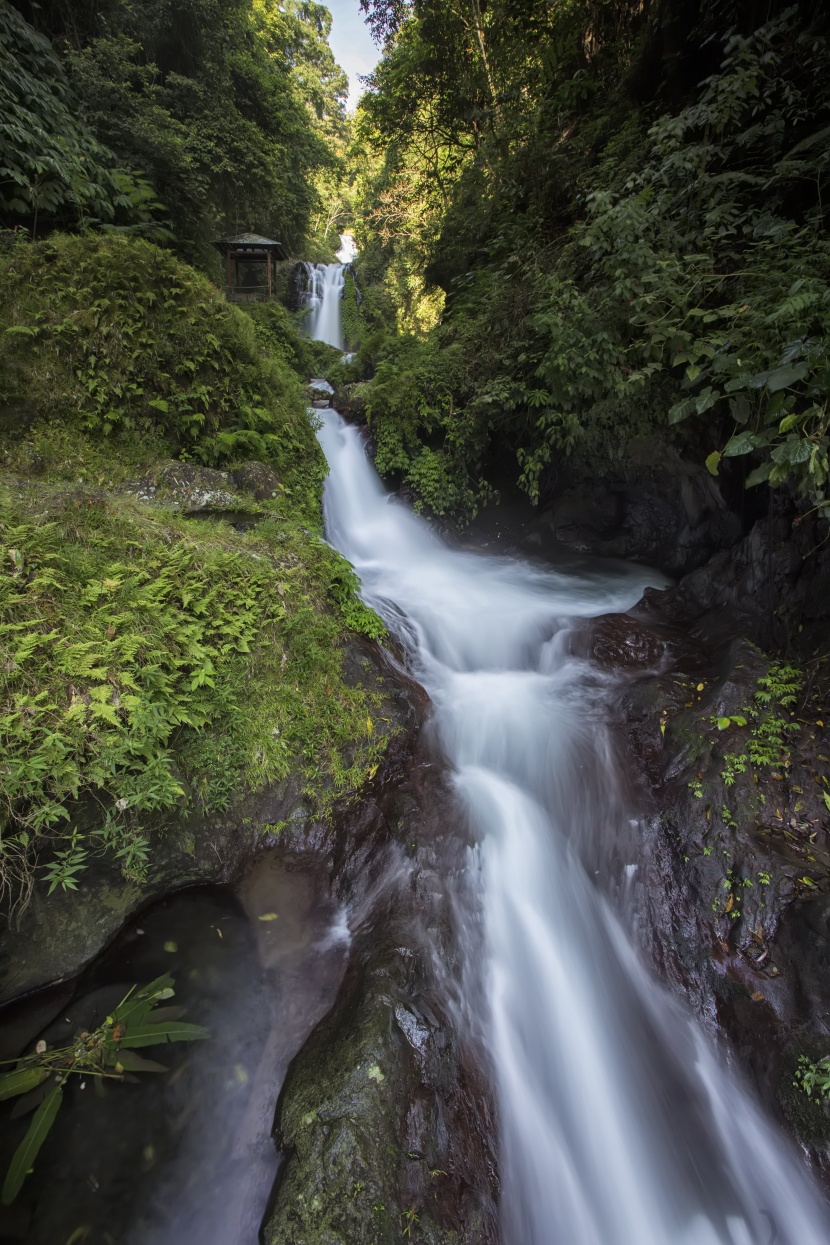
[350,401]
[773,586]
[59,934]
[666,512]
[731,893]
[386,1118]
[258,479]
[623,642]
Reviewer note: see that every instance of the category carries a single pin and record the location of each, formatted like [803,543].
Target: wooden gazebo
[249,264]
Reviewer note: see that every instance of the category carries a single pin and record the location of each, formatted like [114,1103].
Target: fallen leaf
[171,946]
[268,916]
[757,997]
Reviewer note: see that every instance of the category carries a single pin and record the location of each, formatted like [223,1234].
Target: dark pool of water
[185,1156]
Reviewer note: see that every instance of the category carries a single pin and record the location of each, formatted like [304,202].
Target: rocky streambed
[385,1127]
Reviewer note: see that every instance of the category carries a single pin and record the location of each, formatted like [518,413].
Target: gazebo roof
[251,244]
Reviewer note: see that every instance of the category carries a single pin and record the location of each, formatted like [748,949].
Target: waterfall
[620,1121]
[323,295]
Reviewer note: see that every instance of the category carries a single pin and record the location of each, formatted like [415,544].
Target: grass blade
[27,1151]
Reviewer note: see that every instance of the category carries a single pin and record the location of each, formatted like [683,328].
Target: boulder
[350,400]
[258,479]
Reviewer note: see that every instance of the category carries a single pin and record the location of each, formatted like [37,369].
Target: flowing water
[620,1121]
[323,295]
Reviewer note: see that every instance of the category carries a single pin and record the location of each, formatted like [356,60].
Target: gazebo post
[268,258]
[228,269]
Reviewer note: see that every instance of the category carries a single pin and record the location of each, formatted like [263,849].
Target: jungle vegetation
[592,222]
[157,665]
[583,224]
[185,121]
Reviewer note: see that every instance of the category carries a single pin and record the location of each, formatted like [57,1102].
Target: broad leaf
[758,476]
[743,443]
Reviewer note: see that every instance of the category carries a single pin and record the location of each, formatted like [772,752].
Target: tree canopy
[596,220]
[229,114]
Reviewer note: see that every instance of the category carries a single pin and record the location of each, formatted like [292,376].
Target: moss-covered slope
[169,634]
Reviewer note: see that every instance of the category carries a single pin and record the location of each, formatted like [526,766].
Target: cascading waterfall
[323,295]
[620,1123]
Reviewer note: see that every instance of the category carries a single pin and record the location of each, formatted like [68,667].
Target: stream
[620,1119]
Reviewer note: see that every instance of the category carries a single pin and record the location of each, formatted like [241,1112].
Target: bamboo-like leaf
[137,1006]
[154,1035]
[27,1151]
[160,1014]
[21,1081]
[27,1103]
[129,1061]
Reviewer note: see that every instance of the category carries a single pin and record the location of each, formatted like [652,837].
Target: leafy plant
[52,168]
[768,743]
[813,1077]
[108,1052]
[343,587]
[119,337]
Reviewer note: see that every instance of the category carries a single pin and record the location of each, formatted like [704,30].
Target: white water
[325,290]
[620,1124]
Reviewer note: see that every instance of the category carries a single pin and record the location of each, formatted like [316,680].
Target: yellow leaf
[370,726]
[729,903]
[268,916]
[700,686]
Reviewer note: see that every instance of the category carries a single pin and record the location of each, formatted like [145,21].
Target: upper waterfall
[325,290]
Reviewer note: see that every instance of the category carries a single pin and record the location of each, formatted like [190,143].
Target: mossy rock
[363,1144]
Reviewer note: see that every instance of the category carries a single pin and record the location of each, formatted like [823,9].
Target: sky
[351,43]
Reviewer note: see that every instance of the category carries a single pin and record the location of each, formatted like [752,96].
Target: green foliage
[606,261]
[117,337]
[813,1077]
[52,168]
[350,314]
[770,722]
[153,663]
[231,113]
[418,435]
[107,1052]
[343,589]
